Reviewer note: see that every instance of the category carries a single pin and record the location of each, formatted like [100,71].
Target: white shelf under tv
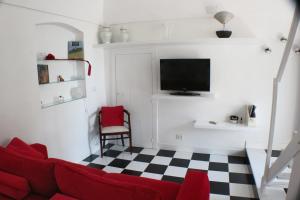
[181,97]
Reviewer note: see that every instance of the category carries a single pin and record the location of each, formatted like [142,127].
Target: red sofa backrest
[82,184]
[39,173]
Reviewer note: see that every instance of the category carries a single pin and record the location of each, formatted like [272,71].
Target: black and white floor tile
[230,176]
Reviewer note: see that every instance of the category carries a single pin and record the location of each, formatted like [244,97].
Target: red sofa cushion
[112,116]
[2,197]
[83,185]
[21,147]
[35,197]
[39,173]
[13,186]
[40,148]
[167,190]
[195,186]
[91,170]
[62,197]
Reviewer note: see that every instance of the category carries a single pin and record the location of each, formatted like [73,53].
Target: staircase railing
[293,148]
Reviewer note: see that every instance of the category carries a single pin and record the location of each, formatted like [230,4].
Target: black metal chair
[115,131]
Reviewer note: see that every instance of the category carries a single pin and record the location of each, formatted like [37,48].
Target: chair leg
[104,140]
[122,138]
[101,146]
[130,142]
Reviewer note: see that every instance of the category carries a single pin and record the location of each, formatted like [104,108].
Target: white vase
[124,35]
[106,35]
[76,93]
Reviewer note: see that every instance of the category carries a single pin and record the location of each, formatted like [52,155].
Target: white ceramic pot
[106,35]
[76,93]
[124,35]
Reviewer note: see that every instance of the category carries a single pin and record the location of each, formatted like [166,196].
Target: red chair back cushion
[21,147]
[112,116]
[84,185]
[39,173]
[13,186]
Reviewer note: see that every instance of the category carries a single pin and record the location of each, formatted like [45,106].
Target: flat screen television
[185,75]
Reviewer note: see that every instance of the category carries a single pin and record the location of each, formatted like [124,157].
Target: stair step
[257,158]
[284,175]
[279,183]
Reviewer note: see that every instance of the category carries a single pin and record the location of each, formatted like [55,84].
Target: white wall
[242,74]
[90,11]
[67,130]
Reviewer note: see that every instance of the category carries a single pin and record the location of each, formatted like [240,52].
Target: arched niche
[53,37]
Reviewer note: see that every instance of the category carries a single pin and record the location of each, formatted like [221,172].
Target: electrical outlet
[178,137]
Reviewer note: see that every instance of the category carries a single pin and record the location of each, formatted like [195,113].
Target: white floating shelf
[210,41]
[180,97]
[221,126]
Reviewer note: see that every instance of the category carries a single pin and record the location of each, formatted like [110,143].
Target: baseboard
[221,151]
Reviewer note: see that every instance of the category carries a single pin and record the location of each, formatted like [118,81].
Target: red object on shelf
[52,57]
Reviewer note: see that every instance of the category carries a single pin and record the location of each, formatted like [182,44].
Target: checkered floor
[230,176]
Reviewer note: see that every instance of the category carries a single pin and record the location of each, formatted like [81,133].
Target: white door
[134,91]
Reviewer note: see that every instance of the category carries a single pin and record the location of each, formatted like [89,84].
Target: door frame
[154,77]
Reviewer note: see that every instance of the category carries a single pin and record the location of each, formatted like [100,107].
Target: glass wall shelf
[59,82]
[62,102]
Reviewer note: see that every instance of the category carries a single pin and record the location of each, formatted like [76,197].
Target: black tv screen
[185,74]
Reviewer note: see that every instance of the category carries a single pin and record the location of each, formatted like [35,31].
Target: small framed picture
[75,50]
[43,74]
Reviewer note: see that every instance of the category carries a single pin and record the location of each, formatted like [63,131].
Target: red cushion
[91,170]
[112,116]
[35,197]
[195,186]
[21,147]
[2,197]
[83,185]
[167,190]
[13,186]
[39,173]
[40,148]
[62,197]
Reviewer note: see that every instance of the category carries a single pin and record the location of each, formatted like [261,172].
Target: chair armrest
[41,148]
[195,186]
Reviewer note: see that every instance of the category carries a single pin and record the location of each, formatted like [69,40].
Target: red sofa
[27,173]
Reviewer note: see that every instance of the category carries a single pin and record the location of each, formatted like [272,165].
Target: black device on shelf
[185,76]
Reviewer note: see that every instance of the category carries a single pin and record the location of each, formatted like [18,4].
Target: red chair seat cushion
[13,186]
[112,116]
[39,173]
[167,190]
[83,185]
[21,147]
